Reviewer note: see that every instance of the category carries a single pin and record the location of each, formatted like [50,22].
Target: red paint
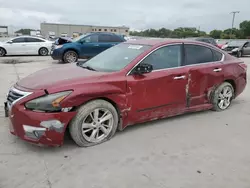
[136,97]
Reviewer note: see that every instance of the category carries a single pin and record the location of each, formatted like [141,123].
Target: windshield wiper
[81,64]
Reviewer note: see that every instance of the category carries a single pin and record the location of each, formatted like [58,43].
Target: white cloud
[138,14]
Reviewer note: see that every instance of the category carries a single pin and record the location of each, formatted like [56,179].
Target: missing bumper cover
[55,125]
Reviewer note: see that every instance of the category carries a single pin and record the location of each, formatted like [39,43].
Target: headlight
[48,103]
[58,46]
[235,49]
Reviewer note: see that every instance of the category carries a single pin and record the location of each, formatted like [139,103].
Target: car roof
[28,36]
[156,42]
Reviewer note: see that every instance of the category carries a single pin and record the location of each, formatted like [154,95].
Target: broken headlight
[48,103]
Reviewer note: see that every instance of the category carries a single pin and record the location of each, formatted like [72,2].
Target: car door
[162,91]
[204,72]
[33,45]
[105,42]
[89,46]
[246,49]
[16,46]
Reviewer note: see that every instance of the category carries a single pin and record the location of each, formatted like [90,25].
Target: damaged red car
[132,82]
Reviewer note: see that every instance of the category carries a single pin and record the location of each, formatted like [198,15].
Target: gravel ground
[205,149]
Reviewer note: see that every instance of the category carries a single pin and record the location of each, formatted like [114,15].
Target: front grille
[15,94]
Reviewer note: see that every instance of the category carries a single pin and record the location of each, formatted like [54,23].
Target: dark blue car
[85,46]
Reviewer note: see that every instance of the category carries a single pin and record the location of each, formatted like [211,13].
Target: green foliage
[24,31]
[184,32]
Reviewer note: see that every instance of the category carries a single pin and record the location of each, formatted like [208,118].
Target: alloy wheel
[71,57]
[225,97]
[97,125]
[2,52]
[43,51]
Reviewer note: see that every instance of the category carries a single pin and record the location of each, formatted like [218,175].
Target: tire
[220,95]
[239,54]
[86,130]
[2,52]
[70,56]
[43,51]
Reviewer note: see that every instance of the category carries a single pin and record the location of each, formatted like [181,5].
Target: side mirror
[143,69]
[10,42]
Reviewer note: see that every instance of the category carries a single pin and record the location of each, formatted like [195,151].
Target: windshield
[79,38]
[116,58]
[236,43]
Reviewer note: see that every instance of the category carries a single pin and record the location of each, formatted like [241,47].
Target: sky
[137,14]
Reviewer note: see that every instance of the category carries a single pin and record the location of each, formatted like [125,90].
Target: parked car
[238,48]
[132,82]
[25,45]
[85,46]
[208,40]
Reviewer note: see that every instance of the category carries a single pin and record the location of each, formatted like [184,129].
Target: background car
[25,45]
[85,46]
[132,82]
[238,48]
[208,40]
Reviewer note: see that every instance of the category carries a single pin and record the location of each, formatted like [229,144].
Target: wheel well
[4,50]
[71,50]
[232,83]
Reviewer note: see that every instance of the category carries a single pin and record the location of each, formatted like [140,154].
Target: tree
[24,31]
[216,34]
[245,28]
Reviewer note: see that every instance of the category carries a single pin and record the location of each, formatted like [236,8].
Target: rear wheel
[70,56]
[95,123]
[43,51]
[2,52]
[222,97]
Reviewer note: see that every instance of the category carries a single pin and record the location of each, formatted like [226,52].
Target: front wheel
[95,123]
[239,54]
[222,97]
[70,57]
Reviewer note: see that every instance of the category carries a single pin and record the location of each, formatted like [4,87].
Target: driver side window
[90,39]
[165,57]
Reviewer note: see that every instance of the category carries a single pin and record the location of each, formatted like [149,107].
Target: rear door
[105,42]
[33,45]
[204,72]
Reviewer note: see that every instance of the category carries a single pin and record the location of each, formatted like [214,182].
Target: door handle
[96,45]
[179,77]
[217,70]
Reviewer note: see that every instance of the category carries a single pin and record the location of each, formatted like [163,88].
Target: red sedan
[132,82]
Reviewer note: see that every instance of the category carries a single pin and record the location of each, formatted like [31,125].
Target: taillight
[243,66]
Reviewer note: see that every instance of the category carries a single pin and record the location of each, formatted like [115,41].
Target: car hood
[60,76]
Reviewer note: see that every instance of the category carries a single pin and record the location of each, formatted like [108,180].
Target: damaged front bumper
[38,127]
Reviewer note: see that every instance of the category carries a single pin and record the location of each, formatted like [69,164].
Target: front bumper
[38,127]
[56,54]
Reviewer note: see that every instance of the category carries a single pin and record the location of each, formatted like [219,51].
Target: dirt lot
[206,149]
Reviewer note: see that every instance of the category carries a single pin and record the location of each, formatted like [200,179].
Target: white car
[25,45]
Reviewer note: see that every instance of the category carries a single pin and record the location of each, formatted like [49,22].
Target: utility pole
[234,12]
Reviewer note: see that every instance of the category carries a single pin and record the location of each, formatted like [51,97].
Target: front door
[162,91]
[16,47]
[89,46]
[246,49]
[205,70]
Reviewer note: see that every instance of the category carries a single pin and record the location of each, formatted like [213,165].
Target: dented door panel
[156,94]
[202,79]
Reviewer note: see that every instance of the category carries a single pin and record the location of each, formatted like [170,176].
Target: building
[3,31]
[57,30]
